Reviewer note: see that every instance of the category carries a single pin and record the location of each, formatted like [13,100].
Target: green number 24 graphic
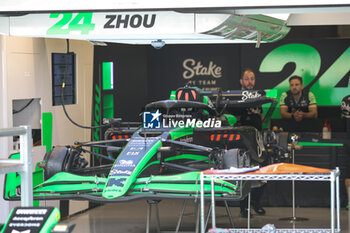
[307,62]
[81,22]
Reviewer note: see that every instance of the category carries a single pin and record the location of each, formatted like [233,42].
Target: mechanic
[297,103]
[252,117]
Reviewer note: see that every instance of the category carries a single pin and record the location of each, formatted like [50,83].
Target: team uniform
[307,98]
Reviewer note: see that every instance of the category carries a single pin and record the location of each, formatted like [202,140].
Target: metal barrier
[22,165]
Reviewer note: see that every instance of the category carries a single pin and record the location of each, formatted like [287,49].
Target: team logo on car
[151,120]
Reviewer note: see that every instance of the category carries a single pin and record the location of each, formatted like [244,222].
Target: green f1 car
[161,158]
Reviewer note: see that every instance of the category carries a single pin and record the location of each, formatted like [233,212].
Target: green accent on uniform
[283,97]
[47,130]
[312,98]
[107,75]
[108,103]
[319,144]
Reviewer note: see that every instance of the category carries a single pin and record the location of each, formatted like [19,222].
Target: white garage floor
[131,217]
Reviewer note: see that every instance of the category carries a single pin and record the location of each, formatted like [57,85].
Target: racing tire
[55,161]
[62,158]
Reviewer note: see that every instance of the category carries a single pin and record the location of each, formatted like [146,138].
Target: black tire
[62,158]
[55,161]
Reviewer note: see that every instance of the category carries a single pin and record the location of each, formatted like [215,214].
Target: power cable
[17,111]
[62,98]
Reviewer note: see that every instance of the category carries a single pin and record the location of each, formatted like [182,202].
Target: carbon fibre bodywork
[143,163]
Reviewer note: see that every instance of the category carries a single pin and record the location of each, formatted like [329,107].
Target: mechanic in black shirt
[252,117]
[297,103]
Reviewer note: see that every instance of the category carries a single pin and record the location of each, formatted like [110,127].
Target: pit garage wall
[25,73]
[143,74]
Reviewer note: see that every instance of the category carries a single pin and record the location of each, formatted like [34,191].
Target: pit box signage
[31,220]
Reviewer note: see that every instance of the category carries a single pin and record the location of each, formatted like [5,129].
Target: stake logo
[151,120]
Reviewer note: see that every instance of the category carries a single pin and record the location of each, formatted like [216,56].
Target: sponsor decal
[96,116]
[186,139]
[31,211]
[117,182]
[121,172]
[28,219]
[194,68]
[250,95]
[202,74]
[126,163]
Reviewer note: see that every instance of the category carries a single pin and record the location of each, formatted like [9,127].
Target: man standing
[297,103]
[252,117]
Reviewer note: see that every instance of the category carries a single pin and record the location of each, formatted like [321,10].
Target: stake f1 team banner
[324,65]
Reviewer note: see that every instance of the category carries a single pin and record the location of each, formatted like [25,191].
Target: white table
[332,177]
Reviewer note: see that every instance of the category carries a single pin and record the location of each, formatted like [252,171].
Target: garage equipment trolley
[332,177]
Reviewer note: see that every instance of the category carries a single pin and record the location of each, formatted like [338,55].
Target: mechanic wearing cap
[251,117]
[297,103]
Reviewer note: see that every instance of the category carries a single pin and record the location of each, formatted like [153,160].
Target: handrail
[22,165]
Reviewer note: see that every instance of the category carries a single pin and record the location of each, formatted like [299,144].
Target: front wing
[65,185]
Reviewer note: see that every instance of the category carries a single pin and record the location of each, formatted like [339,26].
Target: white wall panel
[25,73]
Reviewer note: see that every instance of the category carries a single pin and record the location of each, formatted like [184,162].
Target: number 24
[69,23]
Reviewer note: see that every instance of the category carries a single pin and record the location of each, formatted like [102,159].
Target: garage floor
[131,217]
